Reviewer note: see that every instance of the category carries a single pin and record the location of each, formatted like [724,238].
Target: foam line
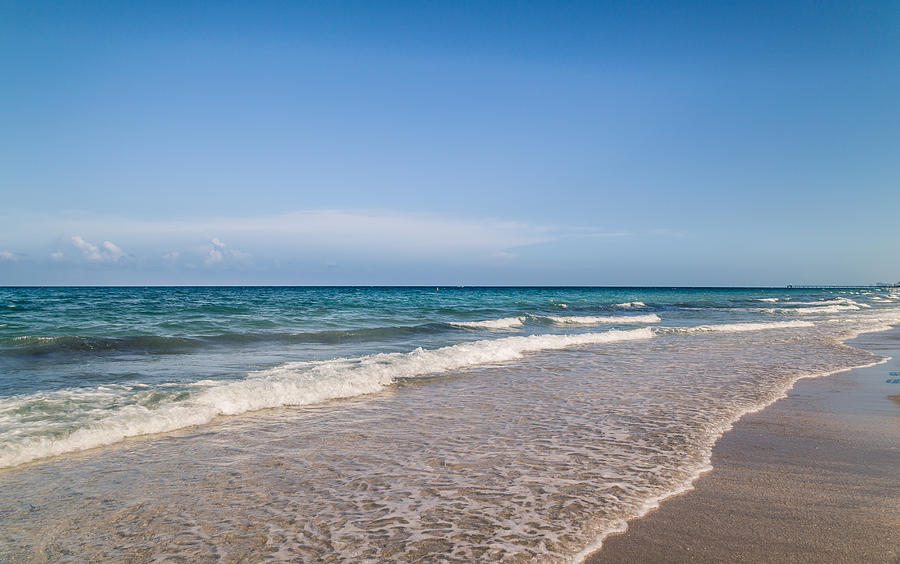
[504,323]
[292,383]
[598,319]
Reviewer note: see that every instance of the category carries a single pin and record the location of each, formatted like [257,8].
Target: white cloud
[6,255]
[371,232]
[58,255]
[109,252]
[215,256]
[219,253]
[91,252]
[372,235]
[112,250]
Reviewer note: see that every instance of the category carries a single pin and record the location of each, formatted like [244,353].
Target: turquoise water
[554,412]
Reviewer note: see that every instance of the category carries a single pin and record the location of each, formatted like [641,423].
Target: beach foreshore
[814,477]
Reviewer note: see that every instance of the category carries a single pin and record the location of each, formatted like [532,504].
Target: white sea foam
[598,319]
[855,324]
[36,340]
[767,299]
[632,304]
[818,310]
[503,323]
[293,383]
[621,525]
[741,327]
[863,323]
[832,301]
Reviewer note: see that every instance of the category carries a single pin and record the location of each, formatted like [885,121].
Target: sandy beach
[812,478]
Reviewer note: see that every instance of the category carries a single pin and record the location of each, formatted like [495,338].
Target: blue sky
[669,143]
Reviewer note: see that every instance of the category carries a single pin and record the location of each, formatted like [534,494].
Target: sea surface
[382,424]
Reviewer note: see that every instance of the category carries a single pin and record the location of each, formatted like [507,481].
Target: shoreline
[810,477]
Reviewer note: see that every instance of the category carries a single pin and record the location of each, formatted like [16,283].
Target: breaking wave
[817,310]
[598,319]
[737,327]
[504,323]
[122,413]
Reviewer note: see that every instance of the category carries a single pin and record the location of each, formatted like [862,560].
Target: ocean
[380,423]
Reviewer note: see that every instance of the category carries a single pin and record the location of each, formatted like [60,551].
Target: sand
[815,477]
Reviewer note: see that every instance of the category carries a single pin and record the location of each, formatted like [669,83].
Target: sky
[438,143]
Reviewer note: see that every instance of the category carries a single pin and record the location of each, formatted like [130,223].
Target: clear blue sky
[670,143]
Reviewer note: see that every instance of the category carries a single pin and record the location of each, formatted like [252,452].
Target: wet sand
[815,477]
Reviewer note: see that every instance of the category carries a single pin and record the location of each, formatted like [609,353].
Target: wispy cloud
[215,256]
[107,252]
[220,253]
[305,236]
[366,231]
[7,255]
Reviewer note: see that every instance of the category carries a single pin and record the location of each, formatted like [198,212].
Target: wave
[854,325]
[631,304]
[736,327]
[598,319]
[504,323]
[816,309]
[829,302]
[34,345]
[293,383]
[509,322]
[822,309]
[767,299]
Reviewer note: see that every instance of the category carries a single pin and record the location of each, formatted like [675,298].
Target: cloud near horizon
[107,252]
[219,253]
[336,231]
[357,243]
